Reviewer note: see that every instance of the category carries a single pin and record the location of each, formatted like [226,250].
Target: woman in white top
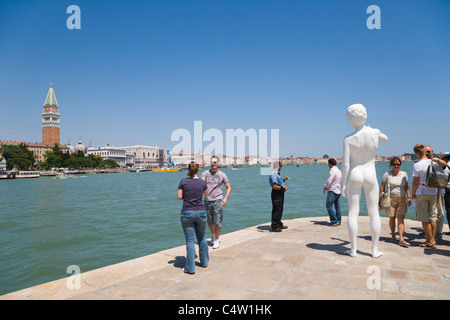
[400,198]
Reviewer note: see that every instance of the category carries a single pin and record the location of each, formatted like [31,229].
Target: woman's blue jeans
[194,225]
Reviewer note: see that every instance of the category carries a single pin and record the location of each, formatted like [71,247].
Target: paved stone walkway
[306,261]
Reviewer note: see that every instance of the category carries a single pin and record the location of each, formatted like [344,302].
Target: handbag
[385,200]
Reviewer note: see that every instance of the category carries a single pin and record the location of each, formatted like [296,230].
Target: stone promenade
[306,261]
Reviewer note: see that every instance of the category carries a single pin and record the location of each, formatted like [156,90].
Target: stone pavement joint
[306,261]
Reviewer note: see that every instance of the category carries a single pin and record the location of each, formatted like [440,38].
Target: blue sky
[138,70]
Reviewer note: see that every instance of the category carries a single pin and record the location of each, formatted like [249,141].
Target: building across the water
[147,157]
[119,155]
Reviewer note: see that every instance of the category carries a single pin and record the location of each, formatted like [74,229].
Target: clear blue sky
[138,70]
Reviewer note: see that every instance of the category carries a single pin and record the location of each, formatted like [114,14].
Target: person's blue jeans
[447,206]
[334,207]
[194,224]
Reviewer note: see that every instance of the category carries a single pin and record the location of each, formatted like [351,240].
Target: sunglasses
[396,164]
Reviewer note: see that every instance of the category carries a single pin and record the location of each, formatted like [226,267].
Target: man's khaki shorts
[426,209]
[398,207]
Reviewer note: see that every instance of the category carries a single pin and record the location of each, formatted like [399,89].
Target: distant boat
[27,174]
[49,173]
[138,170]
[166,169]
[14,174]
[8,174]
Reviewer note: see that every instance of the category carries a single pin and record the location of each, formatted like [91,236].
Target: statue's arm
[382,137]
[345,166]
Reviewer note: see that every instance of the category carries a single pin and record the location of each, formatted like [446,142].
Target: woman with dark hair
[193,217]
[397,183]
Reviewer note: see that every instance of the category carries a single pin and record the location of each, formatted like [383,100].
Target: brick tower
[50,120]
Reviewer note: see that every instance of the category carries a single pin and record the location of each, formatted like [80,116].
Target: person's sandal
[404,244]
[427,244]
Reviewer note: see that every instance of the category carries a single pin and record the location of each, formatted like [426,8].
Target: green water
[48,224]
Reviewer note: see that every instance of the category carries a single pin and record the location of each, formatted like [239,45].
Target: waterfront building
[129,160]
[252,160]
[107,152]
[182,158]
[202,159]
[80,147]
[70,148]
[147,157]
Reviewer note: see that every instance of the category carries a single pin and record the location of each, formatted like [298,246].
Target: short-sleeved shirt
[276,177]
[447,173]
[193,189]
[420,170]
[214,181]
[397,183]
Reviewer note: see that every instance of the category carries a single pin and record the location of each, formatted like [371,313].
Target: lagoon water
[48,224]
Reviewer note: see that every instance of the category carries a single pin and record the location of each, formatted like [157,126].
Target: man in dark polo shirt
[277,196]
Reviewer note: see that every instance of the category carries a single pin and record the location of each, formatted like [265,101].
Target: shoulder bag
[385,200]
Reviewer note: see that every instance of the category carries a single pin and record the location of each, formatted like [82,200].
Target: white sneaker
[216,244]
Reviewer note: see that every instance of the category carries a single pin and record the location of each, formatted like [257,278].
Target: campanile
[50,119]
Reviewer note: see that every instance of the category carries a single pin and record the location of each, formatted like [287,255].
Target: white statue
[358,164]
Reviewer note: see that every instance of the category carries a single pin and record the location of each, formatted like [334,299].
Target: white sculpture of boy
[358,164]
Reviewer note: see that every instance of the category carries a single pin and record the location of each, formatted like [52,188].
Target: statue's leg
[354,197]
[371,192]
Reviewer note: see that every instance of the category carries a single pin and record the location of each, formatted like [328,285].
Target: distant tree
[57,150]
[96,160]
[56,158]
[18,156]
[108,163]
[52,160]
[73,162]
[325,156]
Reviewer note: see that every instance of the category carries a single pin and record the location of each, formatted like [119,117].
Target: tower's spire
[51,98]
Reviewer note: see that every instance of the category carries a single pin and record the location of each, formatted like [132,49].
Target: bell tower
[50,119]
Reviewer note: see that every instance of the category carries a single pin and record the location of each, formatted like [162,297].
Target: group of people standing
[430,202]
[196,213]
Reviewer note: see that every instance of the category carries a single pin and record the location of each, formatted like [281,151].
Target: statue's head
[356,115]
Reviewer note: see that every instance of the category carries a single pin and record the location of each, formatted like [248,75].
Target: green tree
[96,160]
[56,158]
[73,162]
[108,163]
[52,160]
[18,156]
